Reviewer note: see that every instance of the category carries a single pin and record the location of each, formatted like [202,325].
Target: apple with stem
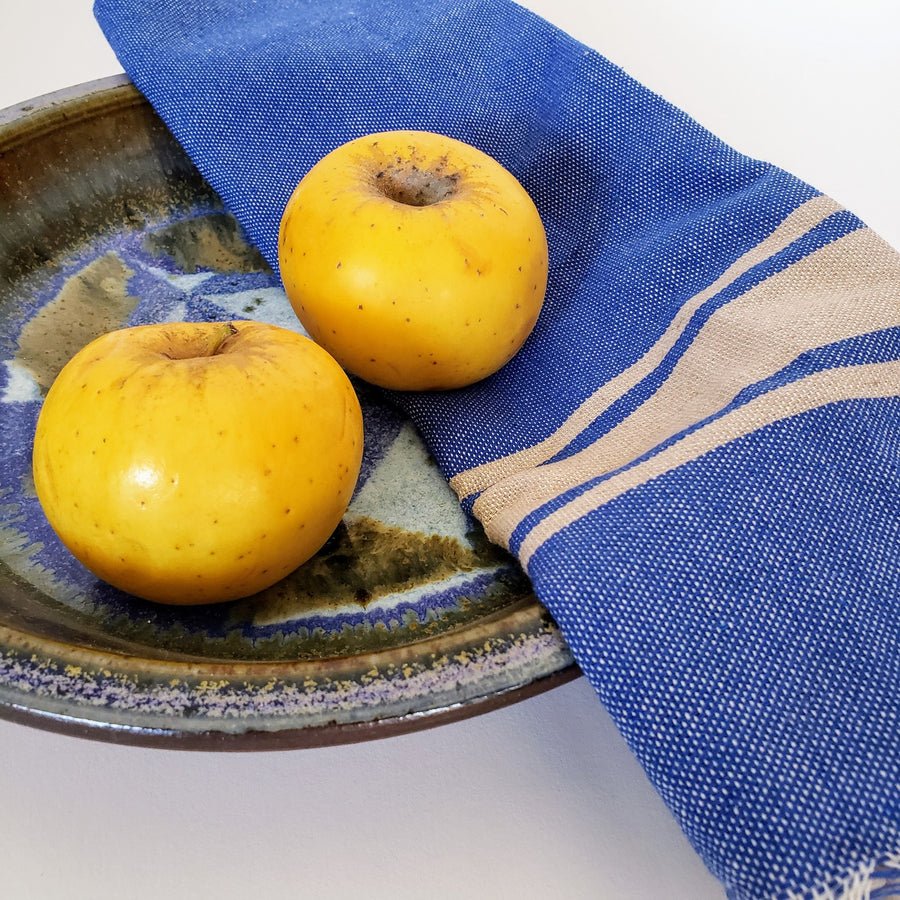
[192,463]
[418,261]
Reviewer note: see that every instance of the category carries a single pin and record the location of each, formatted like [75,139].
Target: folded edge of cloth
[696,454]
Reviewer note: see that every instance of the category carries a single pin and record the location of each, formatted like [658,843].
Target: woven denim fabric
[696,455]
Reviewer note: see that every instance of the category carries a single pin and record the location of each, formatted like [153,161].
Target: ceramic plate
[407,617]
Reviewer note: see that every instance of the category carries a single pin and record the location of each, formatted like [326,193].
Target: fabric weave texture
[695,455]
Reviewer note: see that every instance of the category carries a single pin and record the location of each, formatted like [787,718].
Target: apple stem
[219,336]
[412,186]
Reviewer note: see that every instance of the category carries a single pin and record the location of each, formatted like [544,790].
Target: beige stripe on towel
[845,289]
[849,383]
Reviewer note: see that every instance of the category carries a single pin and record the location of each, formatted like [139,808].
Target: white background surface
[541,799]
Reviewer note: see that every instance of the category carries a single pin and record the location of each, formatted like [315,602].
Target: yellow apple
[416,260]
[196,463]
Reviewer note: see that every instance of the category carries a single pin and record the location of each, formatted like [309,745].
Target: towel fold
[695,455]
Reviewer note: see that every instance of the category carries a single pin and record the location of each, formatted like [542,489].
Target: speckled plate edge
[76,690]
[263,706]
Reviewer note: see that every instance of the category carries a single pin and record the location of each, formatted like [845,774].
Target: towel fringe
[876,880]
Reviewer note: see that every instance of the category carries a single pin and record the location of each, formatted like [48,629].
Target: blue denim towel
[697,454]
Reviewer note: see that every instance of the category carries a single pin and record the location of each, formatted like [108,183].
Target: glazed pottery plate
[406,618]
